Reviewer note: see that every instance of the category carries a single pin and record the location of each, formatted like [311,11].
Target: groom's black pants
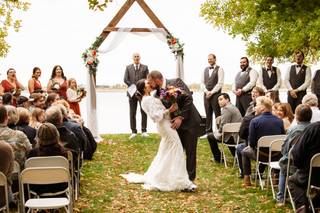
[189,140]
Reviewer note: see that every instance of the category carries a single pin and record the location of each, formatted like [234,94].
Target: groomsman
[211,84]
[134,72]
[245,80]
[270,77]
[297,80]
[315,85]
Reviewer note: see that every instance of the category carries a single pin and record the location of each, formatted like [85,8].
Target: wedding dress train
[167,171]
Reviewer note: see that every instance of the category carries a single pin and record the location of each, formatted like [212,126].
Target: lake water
[113,111]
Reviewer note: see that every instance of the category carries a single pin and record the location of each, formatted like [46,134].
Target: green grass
[219,189]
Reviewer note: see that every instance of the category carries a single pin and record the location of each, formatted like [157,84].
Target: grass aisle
[219,189]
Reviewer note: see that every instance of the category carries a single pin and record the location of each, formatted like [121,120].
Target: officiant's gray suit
[131,76]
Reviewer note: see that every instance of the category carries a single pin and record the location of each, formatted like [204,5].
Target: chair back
[4,183]
[276,145]
[266,141]
[231,128]
[47,161]
[44,175]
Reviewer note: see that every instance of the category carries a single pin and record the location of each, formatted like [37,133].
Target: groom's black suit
[188,131]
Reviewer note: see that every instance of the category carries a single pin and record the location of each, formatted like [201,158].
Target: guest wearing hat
[24,102]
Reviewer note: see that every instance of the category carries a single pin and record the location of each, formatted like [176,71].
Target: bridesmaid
[34,84]
[73,97]
[12,85]
[58,82]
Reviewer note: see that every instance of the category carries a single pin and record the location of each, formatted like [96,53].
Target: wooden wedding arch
[91,60]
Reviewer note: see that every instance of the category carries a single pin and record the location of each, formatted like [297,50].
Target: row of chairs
[46,170]
[274,144]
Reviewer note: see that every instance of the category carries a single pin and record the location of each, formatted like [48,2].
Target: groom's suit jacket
[131,76]
[190,114]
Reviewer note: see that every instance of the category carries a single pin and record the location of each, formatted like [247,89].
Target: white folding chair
[275,146]
[232,128]
[287,189]
[16,174]
[75,172]
[4,184]
[50,161]
[45,175]
[314,163]
[264,142]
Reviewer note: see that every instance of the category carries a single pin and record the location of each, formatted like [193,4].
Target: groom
[187,123]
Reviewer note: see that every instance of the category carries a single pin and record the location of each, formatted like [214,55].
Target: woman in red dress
[58,82]
[12,85]
[34,85]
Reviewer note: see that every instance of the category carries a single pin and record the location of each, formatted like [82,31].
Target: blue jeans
[239,149]
[281,185]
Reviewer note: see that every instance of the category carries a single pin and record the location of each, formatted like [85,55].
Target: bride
[167,171]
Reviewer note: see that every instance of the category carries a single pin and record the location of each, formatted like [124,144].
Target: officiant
[134,72]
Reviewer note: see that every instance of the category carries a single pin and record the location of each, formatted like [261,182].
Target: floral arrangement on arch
[90,56]
[174,44]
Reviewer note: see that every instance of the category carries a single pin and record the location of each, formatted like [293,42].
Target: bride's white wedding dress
[167,171]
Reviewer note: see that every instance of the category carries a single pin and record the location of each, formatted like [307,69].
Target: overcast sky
[57,32]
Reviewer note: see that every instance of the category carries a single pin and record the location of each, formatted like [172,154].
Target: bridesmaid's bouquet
[169,96]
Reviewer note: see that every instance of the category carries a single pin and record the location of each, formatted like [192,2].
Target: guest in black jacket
[23,125]
[302,152]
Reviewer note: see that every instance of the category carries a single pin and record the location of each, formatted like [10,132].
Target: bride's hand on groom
[176,122]
[174,107]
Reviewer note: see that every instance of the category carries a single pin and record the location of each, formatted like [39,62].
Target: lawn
[219,189]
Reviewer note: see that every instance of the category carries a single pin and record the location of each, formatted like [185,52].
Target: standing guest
[302,152]
[12,85]
[229,114]
[245,80]
[24,117]
[6,166]
[263,125]
[315,85]
[270,77]
[297,80]
[37,117]
[58,82]
[134,72]
[212,82]
[34,84]
[303,115]
[285,113]
[73,96]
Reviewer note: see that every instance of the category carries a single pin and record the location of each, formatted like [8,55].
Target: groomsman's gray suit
[131,76]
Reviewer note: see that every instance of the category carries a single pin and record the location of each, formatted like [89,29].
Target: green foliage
[8,21]
[98,5]
[269,27]
[219,189]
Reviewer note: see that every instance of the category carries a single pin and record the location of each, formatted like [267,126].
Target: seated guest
[71,116]
[229,114]
[48,145]
[6,166]
[303,115]
[262,125]
[37,117]
[312,101]
[256,92]
[38,100]
[51,98]
[13,116]
[17,139]
[272,95]
[285,113]
[67,137]
[302,152]
[24,116]
[23,101]
[7,99]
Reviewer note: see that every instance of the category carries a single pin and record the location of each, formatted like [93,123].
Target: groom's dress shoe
[133,135]
[145,135]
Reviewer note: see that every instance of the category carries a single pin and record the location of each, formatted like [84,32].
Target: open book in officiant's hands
[132,90]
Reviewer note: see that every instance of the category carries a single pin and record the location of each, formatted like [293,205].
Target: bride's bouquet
[169,96]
